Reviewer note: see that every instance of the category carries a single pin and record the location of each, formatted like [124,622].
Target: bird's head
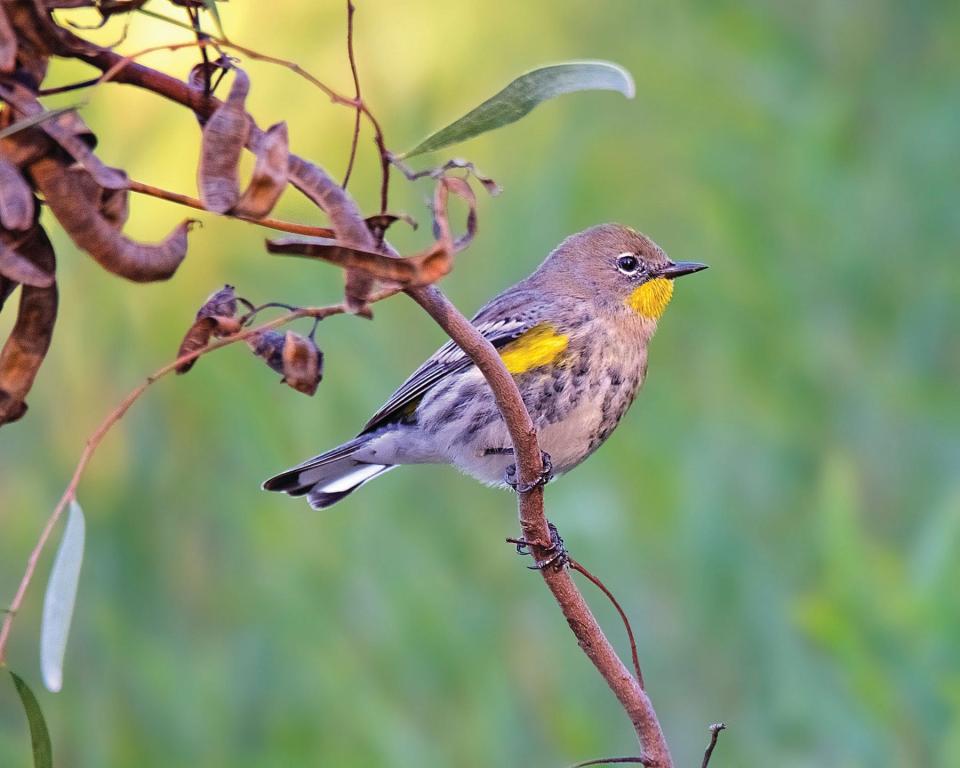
[615,266]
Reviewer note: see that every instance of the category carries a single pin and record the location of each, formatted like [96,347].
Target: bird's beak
[681,268]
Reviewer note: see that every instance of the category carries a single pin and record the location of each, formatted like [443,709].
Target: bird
[574,335]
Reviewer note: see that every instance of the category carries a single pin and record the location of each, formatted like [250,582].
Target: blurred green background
[779,513]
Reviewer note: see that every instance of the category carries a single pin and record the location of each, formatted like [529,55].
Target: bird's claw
[557,552]
[511,479]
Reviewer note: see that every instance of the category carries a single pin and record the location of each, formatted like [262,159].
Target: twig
[356,87]
[626,622]
[192,202]
[93,442]
[608,761]
[68,87]
[714,735]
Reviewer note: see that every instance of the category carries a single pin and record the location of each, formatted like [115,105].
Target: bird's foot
[557,556]
[511,479]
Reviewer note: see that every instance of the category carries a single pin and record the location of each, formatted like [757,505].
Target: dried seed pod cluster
[297,358]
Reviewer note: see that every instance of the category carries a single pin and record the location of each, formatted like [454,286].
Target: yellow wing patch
[651,298]
[539,346]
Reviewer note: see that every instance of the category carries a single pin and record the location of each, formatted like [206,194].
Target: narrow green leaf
[60,598]
[211,6]
[525,93]
[29,122]
[39,735]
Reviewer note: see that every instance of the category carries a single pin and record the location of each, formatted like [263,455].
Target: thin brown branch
[623,616]
[94,441]
[351,10]
[714,735]
[533,524]
[192,202]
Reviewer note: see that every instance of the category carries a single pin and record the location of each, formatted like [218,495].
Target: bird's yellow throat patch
[651,298]
[539,346]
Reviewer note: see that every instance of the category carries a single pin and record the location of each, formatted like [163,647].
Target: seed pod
[16,199]
[269,174]
[29,340]
[224,137]
[72,197]
[220,303]
[8,43]
[268,345]
[302,363]
[18,268]
[197,337]
[115,206]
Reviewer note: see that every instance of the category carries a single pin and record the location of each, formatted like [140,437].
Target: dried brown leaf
[302,363]
[268,345]
[269,174]
[224,137]
[8,43]
[29,340]
[72,196]
[16,199]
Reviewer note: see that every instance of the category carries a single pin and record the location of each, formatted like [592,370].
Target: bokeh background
[779,513]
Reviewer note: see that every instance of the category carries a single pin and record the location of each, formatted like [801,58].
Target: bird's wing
[504,319]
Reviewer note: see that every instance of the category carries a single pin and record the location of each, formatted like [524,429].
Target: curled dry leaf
[16,199]
[268,345]
[302,363]
[269,174]
[73,195]
[441,221]
[422,269]
[29,340]
[19,269]
[224,137]
[8,43]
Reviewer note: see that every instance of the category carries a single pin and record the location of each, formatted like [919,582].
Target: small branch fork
[93,442]
[349,226]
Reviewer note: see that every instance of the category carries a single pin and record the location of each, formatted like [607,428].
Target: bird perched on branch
[574,334]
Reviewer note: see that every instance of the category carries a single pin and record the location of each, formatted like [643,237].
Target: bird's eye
[628,264]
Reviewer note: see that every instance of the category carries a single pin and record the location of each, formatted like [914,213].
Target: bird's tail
[327,478]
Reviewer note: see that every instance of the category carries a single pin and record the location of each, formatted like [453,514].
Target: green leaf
[60,598]
[526,92]
[39,735]
[211,6]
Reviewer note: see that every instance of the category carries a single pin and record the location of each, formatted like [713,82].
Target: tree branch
[93,442]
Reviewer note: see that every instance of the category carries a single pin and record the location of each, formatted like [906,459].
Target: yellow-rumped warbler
[574,335]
